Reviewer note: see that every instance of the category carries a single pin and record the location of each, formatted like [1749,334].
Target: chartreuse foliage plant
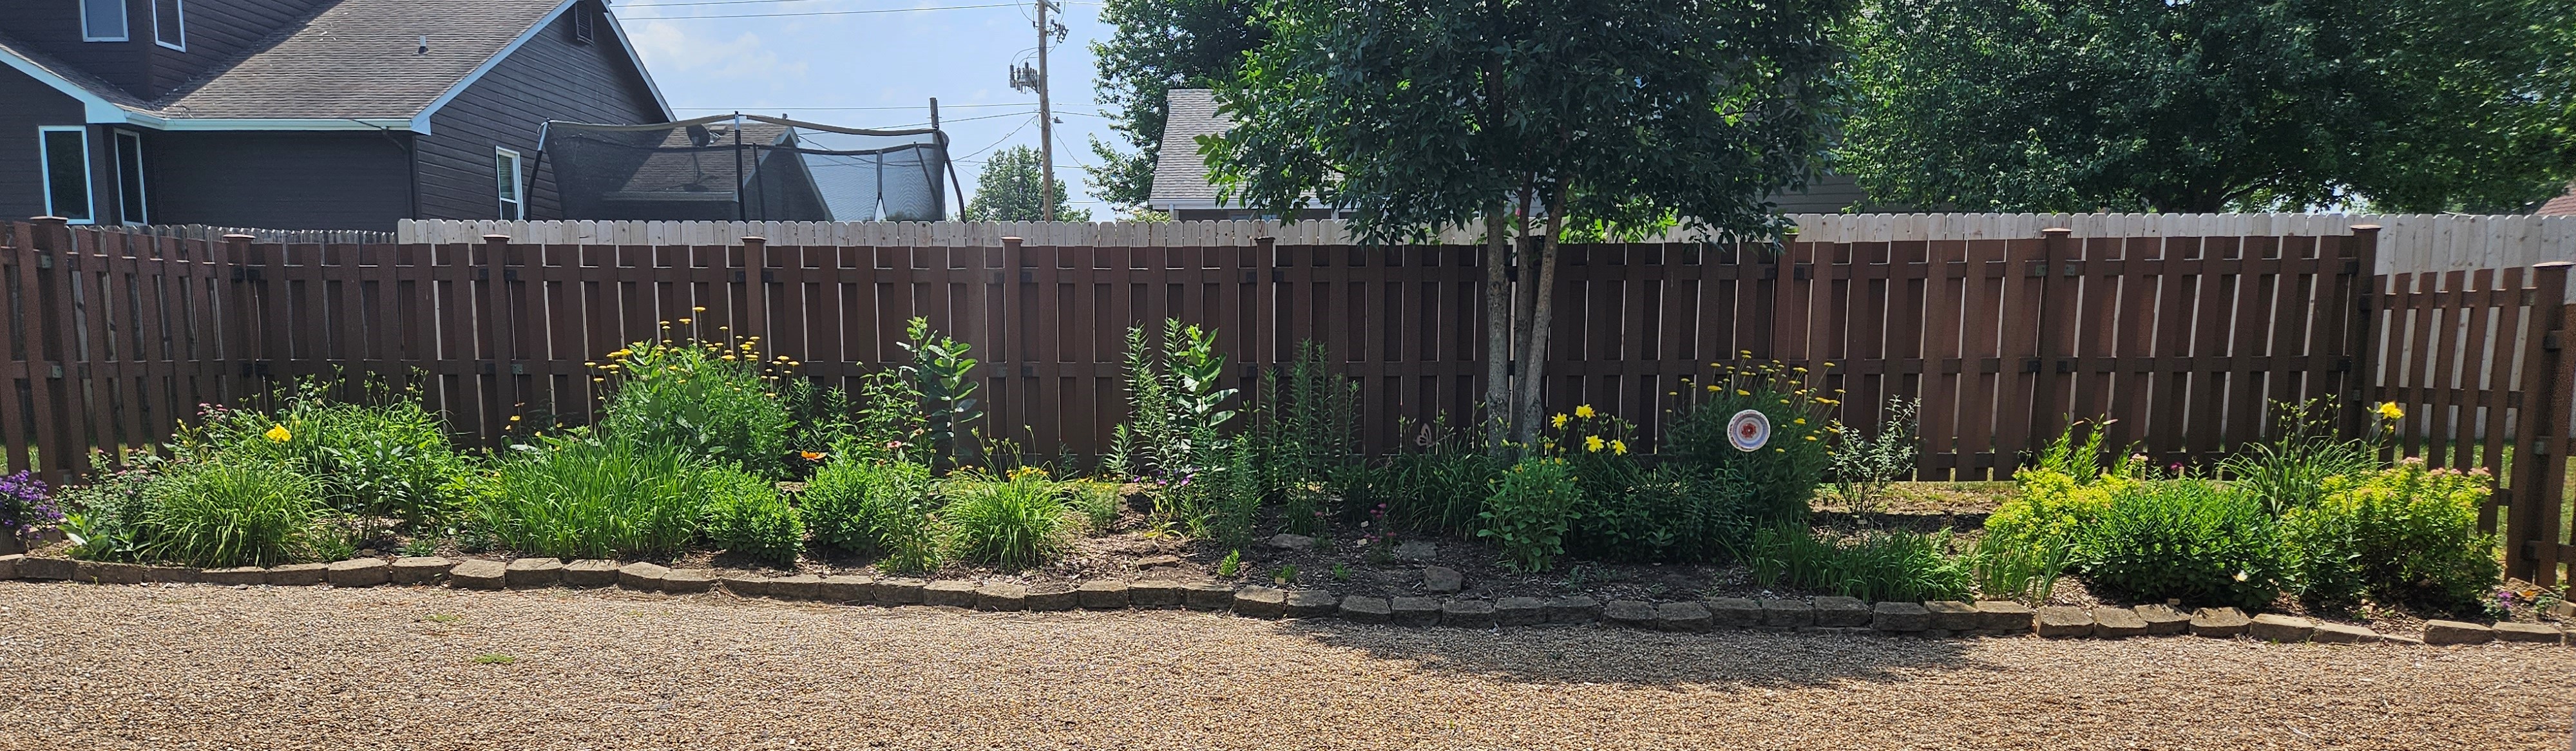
[2405,534]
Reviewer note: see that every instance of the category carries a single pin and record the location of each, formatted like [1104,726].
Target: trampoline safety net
[746,168]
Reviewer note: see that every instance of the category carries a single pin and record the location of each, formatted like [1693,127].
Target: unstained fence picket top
[2182,341]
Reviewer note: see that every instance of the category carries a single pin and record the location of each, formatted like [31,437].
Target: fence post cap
[237,237]
[496,238]
[2365,228]
[2057,231]
[754,239]
[48,220]
[2551,264]
[1010,241]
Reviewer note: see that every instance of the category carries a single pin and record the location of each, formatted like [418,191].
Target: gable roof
[1180,174]
[2561,206]
[357,64]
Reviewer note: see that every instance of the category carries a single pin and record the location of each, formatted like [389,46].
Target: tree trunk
[1498,329]
[1534,352]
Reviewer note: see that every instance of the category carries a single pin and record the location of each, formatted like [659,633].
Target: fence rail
[2183,341]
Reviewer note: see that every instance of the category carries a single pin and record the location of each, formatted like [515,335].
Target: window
[63,155]
[584,23]
[129,179]
[103,20]
[170,24]
[505,165]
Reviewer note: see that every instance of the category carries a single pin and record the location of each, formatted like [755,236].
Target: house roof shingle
[1180,174]
[2561,206]
[353,59]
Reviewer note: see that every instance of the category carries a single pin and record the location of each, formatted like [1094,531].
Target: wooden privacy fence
[2182,341]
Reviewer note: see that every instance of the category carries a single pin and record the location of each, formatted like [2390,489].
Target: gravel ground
[190,667]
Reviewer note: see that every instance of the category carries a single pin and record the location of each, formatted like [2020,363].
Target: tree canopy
[1423,114]
[2214,105]
[1158,45]
[1007,191]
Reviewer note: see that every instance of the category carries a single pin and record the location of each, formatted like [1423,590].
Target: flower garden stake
[1749,430]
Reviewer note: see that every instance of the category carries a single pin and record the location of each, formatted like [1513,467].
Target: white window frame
[132,216]
[45,171]
[515,205]
[179,12]
[124,24]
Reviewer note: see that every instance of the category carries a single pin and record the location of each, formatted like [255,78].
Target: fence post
[755,290]
[47,361]
[501,332]
[2357,339]
[2539,472]
[2049,408]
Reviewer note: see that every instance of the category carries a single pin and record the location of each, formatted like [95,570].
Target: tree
[1007,191]
[1159,45]
[2211,105]
[1425,114]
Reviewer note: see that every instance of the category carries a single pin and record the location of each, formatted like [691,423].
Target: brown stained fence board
[1942,390]
[2438,386]
[2467,383]
[2543,420]
[2420,301]
[2021,418]
[2499,383]
[1865,306]
[2170,392]
[47,350]
[2548,532]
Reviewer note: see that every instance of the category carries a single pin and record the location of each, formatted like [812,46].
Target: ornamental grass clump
[232,512]
[589,498]
[1016,520]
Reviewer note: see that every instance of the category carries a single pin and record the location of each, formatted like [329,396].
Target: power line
[820,12]
[989,147]
[889,107]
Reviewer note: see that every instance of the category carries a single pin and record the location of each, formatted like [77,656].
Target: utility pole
[1046,120]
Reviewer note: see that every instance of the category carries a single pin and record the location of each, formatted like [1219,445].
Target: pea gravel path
[190,667]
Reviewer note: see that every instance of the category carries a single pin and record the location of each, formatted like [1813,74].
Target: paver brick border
[1819,615]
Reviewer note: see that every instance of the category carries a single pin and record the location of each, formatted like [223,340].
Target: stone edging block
[358,572]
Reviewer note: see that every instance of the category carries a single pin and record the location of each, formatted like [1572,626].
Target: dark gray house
[299,114]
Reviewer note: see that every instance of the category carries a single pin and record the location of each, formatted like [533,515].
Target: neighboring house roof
[1180,174]
[356,64]
[2561,206]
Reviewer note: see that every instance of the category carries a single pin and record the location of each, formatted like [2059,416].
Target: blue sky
[716,56]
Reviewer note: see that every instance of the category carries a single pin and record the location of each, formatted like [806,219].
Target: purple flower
[25,505]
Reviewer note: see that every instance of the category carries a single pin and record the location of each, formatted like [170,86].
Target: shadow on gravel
[1596,654]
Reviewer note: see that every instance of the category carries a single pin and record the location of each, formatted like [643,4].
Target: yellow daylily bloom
[1619,447]
[1592,443]
[1558,420]
[278,434]
[2390,411]
[1584,410]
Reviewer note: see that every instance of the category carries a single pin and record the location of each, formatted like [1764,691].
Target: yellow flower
[684,321]
[1829,365]
[1619,447]
[1799,421]
[728,358]
[811,456]
[1592,443]
[1584,410]
[1811,438]
[1559,420]
[1712,388]
[2390,411]
[1741,392]
[698,308]
[278,434]
[794,364]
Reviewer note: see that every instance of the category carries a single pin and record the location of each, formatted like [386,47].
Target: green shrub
[1781,477]
[2292,470]
[232,512]
[1863,466]
[844,503]
[108,519]
[1098,502]
[1528,513]
[2405,534]
[1673,513]
[2196,540]
[745,516]
[943,375]
[577,498]
[385,456]
[1014,521]
[1438,485]
[705,399]
[1879,565]
[2064,488]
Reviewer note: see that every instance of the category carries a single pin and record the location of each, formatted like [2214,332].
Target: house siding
[279,180]
[54,28]
[30,104]
[549,78]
